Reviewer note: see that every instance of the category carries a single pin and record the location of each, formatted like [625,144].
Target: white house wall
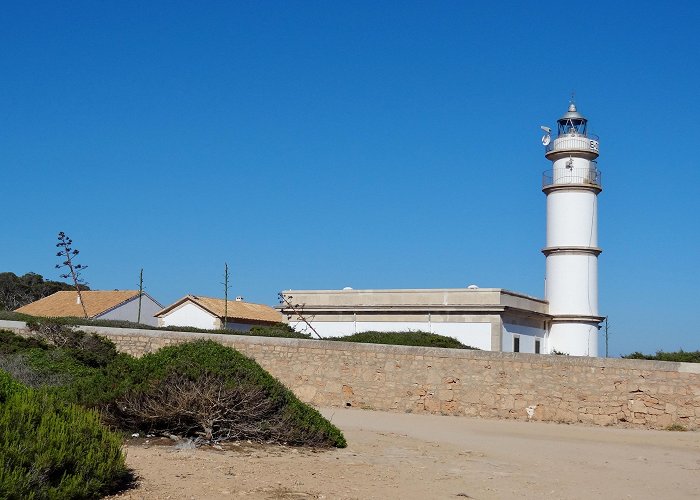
[189,315]
[472,334]
[527,334]
[130,311]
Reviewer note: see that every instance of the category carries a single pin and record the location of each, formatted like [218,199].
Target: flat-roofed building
[491,319]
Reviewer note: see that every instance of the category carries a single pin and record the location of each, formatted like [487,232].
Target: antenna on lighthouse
[547,137]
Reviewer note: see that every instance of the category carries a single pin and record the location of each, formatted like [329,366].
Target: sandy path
[394,455]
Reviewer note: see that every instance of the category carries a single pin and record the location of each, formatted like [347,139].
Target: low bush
[681,356]
[419,339]
[11,343]
[278,330]
[206,390]
[50,449]
[89,348]
[21,370]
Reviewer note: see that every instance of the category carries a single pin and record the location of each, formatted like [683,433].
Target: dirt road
[404,456]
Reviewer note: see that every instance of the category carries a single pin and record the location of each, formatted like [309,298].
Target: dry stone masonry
[598,391]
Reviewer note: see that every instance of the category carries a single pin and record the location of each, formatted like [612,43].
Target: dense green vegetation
[682,356]
[17,291]
[52,449]
[421,339]
[201,390]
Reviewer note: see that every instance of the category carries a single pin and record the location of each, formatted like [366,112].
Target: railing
[576,175]
[574,143]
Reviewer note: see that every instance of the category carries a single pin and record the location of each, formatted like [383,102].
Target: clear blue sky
[364,144]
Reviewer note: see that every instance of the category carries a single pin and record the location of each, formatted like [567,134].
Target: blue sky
[364,144]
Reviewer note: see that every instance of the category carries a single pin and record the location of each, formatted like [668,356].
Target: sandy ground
[404,456]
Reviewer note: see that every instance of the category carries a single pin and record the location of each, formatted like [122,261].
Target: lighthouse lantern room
[572,186]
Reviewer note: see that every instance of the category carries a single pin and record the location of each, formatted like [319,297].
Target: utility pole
[138,319]
[226,287]
[606,336]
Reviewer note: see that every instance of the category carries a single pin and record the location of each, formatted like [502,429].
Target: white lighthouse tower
[571,284]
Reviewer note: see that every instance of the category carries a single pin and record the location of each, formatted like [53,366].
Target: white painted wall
[572,219]
[189,315]
[572,284]
[527,334]
[130,311]
[576,339]
[472,334]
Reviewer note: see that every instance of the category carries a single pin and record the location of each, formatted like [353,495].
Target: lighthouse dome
[572,114]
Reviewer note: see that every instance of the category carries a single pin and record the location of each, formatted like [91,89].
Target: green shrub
[11,343]
[8,386]
[278,330]
[680,356]
[14,316]
[50,449]
[419,339]
[212,391]
[76,374]
[88,348]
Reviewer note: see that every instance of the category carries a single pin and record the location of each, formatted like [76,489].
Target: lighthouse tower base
[574,338]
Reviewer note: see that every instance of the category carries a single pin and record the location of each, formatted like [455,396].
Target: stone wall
[598,391]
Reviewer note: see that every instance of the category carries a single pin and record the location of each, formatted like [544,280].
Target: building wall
[130,311]
[188,314]
[600,391]
[477,334]
[527,335]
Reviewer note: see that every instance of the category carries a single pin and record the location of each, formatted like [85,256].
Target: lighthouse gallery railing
[574,175]
[587,142]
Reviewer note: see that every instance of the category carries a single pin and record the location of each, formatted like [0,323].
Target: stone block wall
[599,391]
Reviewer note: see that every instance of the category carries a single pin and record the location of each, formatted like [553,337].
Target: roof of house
[237,309]
[97,302]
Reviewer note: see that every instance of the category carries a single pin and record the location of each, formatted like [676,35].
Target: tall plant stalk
[74,270]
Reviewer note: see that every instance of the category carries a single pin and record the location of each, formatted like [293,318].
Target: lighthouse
[572,186]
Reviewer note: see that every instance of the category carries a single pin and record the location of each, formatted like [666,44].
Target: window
[516,344]
[537,346]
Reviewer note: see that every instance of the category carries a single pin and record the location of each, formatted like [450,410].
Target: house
[99,304]
[213,314]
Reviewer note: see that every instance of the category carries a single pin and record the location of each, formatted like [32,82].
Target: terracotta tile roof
[96,303]
[237,310]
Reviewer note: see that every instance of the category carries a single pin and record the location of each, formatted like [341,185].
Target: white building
[214,314]
[494,319]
